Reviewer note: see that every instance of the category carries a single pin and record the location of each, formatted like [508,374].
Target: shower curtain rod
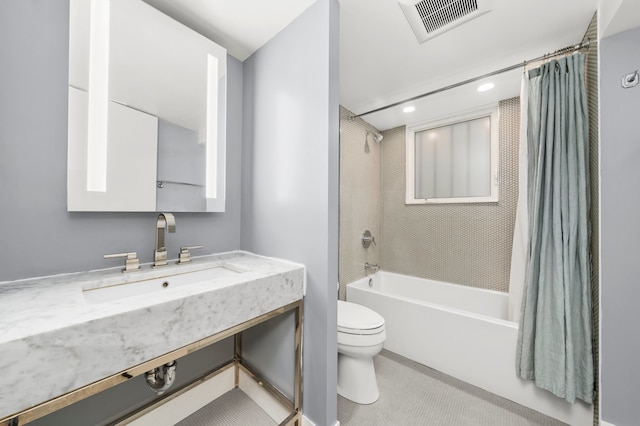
[559,52]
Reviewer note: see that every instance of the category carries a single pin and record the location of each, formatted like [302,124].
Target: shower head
[377,137]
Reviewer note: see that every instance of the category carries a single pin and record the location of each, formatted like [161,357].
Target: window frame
[490,111]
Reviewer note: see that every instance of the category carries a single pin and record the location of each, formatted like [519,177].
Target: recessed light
[485,87]
[409,109]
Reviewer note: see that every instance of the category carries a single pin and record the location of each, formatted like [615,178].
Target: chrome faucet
[168,222]
[368,266]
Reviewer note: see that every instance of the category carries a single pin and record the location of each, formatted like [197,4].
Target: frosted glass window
[452,162]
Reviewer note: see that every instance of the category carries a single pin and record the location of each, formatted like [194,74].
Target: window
[454,160]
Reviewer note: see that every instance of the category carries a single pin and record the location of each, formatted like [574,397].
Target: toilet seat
[359,331]
[358,319]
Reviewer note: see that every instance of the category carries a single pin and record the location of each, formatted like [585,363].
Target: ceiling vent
[430,18]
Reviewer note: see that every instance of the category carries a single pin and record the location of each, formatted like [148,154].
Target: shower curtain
[554,342]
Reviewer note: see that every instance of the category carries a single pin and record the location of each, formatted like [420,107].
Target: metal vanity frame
[237,363]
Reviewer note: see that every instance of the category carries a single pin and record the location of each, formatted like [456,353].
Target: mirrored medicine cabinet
[147,111]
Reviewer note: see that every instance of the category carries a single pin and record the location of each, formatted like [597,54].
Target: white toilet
[360,336]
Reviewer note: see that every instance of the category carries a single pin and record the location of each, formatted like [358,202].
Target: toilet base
[357,379]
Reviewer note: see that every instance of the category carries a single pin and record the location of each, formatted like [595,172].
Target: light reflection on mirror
[98,96]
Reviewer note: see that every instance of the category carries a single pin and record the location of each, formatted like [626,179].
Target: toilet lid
[358,319]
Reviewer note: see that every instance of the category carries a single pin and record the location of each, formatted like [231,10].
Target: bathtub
[461,331]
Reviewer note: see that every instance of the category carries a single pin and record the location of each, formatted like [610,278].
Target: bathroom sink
[111,293]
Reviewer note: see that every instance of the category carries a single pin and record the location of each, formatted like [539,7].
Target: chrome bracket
[630,80]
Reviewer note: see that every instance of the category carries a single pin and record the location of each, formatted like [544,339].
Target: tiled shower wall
[360,199]
[592,95]
[467,244]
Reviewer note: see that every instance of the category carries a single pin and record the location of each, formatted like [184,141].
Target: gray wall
[290,184]
[360,198]
[619,230]
[39,237]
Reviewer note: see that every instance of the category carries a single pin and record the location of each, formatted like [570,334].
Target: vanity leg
[297,396]
[237,356]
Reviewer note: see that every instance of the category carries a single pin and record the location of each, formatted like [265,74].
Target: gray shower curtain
[554,342]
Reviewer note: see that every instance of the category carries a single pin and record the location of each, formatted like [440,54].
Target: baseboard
[262,397]
[307,422]
[603,423]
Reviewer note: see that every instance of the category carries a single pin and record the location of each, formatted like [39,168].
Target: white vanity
[67,337]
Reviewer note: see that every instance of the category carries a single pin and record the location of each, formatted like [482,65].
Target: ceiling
[242,27]
[381,61]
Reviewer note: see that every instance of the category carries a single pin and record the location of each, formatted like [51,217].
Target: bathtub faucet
[368,266]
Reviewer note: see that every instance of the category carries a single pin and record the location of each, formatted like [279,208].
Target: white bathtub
[461,331]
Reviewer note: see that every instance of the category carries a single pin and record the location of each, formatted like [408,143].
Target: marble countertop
[53,341]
